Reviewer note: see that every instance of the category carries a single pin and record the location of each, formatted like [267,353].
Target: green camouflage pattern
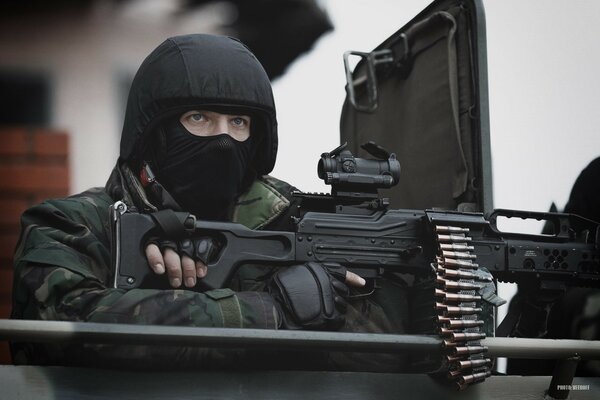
[63,272]
[262,203]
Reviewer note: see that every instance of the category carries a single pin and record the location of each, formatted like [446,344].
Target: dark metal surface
[45,383]
[58,331]
[562,378]
[542,348]
[483,120]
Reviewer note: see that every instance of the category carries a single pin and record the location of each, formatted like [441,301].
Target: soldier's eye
[196,117]
[240,122]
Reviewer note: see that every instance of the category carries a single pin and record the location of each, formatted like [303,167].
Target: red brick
[50,144]
[14,142]
[40,143]
[33,178]
[5,308]
[33,167]
[6,276]
[49,194]
[8,242]
[11,210]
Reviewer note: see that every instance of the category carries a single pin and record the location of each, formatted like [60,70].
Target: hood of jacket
[192,71]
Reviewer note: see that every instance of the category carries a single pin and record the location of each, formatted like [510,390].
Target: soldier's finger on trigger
[201,269]
[155,259]
[354,280]
[188,267]
[173,266]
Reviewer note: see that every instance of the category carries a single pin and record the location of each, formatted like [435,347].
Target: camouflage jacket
[63,272]
[63,266]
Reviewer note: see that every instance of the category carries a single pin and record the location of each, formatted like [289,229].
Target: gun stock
[239,245]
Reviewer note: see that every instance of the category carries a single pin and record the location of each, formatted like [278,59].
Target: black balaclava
[197,72]
[204,174]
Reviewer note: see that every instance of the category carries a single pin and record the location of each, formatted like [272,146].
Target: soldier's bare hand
[179,269]
[155,259]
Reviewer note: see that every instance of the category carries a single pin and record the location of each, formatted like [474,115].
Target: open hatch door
[422,94]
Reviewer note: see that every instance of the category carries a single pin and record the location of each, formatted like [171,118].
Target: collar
[124,185]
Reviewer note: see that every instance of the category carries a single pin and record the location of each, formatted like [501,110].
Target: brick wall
[33,167]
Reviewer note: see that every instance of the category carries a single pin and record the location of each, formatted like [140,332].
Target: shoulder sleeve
[71,233]
[55,293]
[267,203]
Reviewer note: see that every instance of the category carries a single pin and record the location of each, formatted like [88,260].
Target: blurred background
[66,67]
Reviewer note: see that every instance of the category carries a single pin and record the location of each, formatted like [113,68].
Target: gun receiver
[563,258]
[369,244]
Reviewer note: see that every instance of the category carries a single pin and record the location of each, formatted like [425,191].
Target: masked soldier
[200,135]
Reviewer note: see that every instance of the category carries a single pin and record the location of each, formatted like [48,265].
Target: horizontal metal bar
[61,331]
[57,331]
[542,348]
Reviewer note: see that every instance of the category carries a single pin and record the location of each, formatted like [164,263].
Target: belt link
[458,307]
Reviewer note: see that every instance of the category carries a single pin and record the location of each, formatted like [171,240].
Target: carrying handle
[560,223]
[372,59]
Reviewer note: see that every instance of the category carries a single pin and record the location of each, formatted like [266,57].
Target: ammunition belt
[458,305]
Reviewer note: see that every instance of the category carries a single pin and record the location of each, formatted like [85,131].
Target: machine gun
[353,226]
